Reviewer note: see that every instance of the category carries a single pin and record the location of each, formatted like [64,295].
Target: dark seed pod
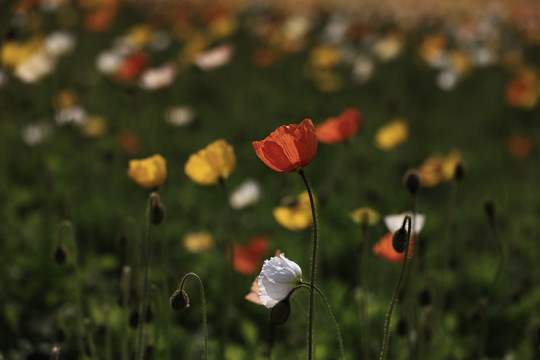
[402,327]
[424,298]
[411,180]
[399,240]
[60,255]
[149,316]
[134,319]
[179,300]
[157,213]
[60,335]
[281,312]
[459,171]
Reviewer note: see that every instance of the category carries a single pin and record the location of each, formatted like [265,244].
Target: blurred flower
[247,193]
[432,50]
[75,115]
[59,43]
[160,40]
[339,129]
[392,134]
[483,56]
[36,133]
[180,115]
[131,67]
[447,79]
[129,142]
[385,250]
[364,216]
[388,47]
[394,222]
[35,67]
[94,126]
[438,168]
[459,62]
[295,215]
[248,257]
[288,148]
[198,242]
[215,58]
[326,80]
[149,172]
[209,165]
[158,78]
[263,57]
[109,61]
[523,90]
[362,69]
[64,99]
[296,27]
[520,146]
[139,36]
[324,56]
[278,277]
[222,27]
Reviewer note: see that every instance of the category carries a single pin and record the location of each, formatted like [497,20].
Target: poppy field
[251,180]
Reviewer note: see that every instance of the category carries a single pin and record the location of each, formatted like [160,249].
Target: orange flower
[248,257]
[385,250]
[520,146]
[524,90]
[288,148]
[342,128]
[132,67]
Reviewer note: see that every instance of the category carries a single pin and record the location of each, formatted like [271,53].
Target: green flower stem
[64,226]
[360,284]
[229,275]
[313,267]
[502,256]
[147,254]
[386,336]
[338,331]
[125,287]
[203,303]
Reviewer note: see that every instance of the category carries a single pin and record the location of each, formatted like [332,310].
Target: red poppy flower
[132,67]
[248,257]
[288,148]
[385,250]
[344,127]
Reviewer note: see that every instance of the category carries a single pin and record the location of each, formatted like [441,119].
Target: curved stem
[147,252]
[386,336]
[313,266]
[502,256]
[338,331]
[203,302]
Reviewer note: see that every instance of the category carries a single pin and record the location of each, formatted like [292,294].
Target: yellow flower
[208,165]
[324,56]
[222,27]
[150,172]
[94,126]
[364,216]
[392,134]
[198,241]
[438,168]
[140,35]
[297,215]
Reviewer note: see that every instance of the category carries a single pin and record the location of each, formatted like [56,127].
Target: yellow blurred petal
[324,56]
[297,216]
[94,126]
[140,35]
[392,134]
[150,172]
[449,165]
[208,165]
[198,241]
[365,216]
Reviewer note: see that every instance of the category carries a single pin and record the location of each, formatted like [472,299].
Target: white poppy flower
[394,222]
[247,193]
[215,57]
[447,80]
[158,78]
[180,115]
[59,43]
[108,61]
[35,133]
[278,277]
[75,115]
[362,69]
[36,67]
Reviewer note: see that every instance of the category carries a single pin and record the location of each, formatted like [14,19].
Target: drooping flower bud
[280,312]
[60,255]
[411,180]
[179,300]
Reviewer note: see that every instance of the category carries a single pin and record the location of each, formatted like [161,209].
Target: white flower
[59,43]
[278,277]
[180,115]
[36,67]
[394,222]
[362,69]
[75,115]
[447,80]
[35,133]
[108,61]
[247,193]
[158,78]
[214,58]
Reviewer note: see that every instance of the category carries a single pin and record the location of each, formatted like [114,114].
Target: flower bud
[411,180]
[179,300]
[134,319]
[156,211]
[60,255]
[402,327]
[459,171]
[280,312]
[399,239]
[489,208]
